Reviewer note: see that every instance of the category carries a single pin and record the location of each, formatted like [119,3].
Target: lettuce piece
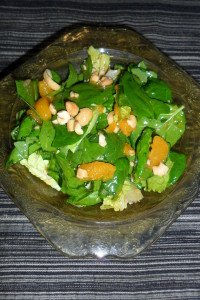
[159,183]
[129,194]
[38,167]
[100,61]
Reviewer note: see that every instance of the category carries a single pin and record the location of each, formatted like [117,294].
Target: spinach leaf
[34,147]
[73,77]
[54,169]
[114,148]
[172,125]
[46,136]
[86,152]
[135,97]
[20,151]
[90,94]
[102,122]
[59,102]
[142,172]
[87,200]
[141,73]
[178,167]
[159,107]
[158,89]
[55,76]
[26,128]
[27,90]
[69,178]
[114,185]
[15,132]
[64,137]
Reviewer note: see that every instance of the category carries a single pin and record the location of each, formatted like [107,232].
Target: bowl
[86,232]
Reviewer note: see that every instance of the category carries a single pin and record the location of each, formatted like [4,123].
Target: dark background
[29,267]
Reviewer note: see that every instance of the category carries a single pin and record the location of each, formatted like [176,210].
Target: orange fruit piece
[128,150]
[44,89]
[159,151]
[112,127]
[125,128]
[96,170]
[42,108]
[117,110]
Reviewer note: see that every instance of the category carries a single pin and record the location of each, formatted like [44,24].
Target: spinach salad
[102,134]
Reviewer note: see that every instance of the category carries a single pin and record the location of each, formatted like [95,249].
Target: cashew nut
[105,81]
[63,117]
[94,78]
[160,170]
[77,128]
[73,95]
[48,79]
[102,140]
[132,121]
[81,173]
[84,116]
[71,125]
[52,109]
[72,108]
[110,117]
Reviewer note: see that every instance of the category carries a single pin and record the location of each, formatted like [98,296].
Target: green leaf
[89,200]
[114,185]
[102,122]
[90,94]
[15,132]
[86,152]
[63,137]
[114,148]
[159,183]
[179,165]
[27,90]
[135,97]
[158,89]
[47,135]
[142,172]
[69,178]
[55,76]
[26,128]
[73,77]
[172,125]
[18,153]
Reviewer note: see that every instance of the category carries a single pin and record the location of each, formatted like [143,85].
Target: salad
[102,134]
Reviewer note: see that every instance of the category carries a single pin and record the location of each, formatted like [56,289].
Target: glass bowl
[83,232]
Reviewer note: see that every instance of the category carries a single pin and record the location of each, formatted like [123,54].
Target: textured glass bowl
[82,232]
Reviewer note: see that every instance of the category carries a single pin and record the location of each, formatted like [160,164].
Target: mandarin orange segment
[96,170]
[112,127]
[128,150]
[117,110]
[42,108]
[44,89]
[159,151]
[125,128]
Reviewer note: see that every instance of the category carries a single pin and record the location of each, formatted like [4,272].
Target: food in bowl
[101,135]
